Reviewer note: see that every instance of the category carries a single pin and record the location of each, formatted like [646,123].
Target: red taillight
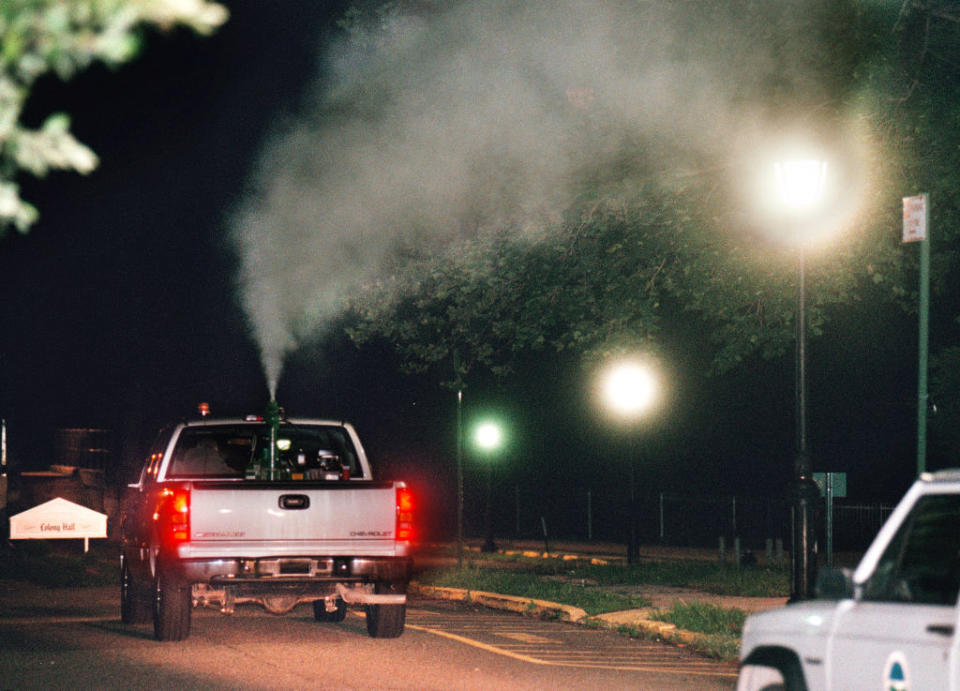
[405,531]
[173,515]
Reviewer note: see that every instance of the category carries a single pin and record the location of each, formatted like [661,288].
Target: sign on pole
[914,218]
[832,485]
[58,519]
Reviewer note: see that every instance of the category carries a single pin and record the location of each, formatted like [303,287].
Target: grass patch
[588,597]
[710,576]
[720,628]
[578,582]
[703,617]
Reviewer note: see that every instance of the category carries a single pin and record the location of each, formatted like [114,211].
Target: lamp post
[801,183]
[460,478]
[488,438]
[629,390]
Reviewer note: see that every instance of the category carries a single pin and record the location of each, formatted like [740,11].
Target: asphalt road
[73,639]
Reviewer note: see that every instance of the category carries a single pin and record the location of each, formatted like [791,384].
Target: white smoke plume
[427,127]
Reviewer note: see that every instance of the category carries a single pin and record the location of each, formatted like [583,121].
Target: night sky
[120,311]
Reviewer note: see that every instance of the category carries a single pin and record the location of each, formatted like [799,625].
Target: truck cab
[891,623]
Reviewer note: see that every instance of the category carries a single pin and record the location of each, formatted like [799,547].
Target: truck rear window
[240,451]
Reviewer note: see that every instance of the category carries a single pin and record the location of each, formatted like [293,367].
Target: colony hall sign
[58,518]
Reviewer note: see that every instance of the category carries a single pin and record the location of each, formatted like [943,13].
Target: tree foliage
[657,230]
[499,296]
[642,240]
[38,37]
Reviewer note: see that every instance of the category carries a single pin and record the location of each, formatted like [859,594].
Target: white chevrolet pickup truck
[891,624]
[264,510]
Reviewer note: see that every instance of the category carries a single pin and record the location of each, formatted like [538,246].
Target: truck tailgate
[266,519]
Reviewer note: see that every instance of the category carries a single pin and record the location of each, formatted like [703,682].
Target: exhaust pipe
[272,418]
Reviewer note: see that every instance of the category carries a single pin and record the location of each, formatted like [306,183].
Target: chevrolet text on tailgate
[270,510]
[890,624]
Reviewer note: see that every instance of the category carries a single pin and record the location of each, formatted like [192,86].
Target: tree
[38,37]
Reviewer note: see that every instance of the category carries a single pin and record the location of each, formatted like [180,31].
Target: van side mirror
[834,584]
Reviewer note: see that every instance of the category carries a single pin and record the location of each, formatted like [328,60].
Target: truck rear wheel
[134,607]
[320,612]
[171,608]
[386,621]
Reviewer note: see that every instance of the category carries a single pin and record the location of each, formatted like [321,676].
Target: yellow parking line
[477,644]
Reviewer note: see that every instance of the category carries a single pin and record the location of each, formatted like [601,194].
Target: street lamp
[801,183]
[488,437]
[629,390]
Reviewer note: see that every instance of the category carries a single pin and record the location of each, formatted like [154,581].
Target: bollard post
[733,516]
[722,549]
[517,496]
[661,518]
[589,517]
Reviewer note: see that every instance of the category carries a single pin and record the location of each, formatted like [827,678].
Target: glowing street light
[488,437]
[801,184]
[629,389]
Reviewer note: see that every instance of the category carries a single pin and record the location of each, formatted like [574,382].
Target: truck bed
[271,519]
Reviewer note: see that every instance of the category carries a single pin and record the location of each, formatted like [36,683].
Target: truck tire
[134,608]
[386,621]
[171,608]
[320,612]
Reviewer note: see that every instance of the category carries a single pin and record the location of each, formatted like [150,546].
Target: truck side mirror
[834,584]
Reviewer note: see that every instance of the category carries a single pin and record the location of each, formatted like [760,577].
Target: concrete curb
[639,620]
[510,603]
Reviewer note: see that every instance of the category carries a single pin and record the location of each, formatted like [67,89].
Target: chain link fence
[760,524]
[702,521]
